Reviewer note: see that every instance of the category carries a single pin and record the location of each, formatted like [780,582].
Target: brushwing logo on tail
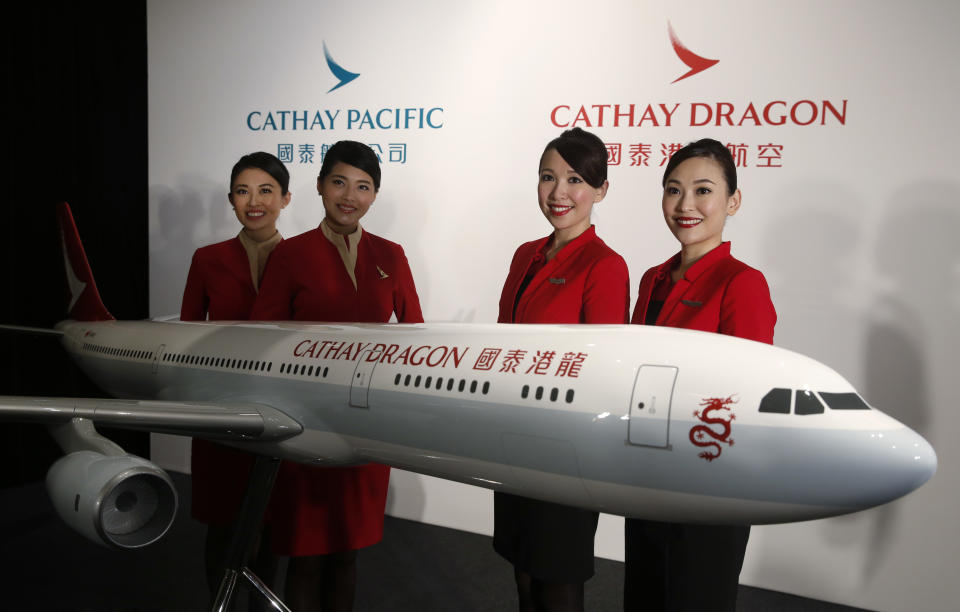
[688,57]
[343,75]
[75,285]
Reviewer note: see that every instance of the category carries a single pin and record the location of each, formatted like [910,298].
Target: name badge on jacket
[691,303]
[558,281]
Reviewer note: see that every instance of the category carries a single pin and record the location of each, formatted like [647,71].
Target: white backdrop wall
[842,116]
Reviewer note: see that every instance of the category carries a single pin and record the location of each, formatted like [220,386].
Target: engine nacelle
[122,501]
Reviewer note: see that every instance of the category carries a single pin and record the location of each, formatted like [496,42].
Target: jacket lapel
[690,277]
[238,264]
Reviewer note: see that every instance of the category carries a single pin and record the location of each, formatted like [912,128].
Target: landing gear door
[360,383]
[650,406]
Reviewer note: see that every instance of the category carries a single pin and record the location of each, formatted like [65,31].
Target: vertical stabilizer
[85,303]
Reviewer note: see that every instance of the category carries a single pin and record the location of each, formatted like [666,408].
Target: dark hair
[266,162]
[585,153]
[354,154]
[706,147]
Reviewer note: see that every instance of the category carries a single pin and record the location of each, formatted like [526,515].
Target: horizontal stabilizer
[39,331]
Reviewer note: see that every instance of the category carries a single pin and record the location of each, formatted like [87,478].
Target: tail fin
[85,303]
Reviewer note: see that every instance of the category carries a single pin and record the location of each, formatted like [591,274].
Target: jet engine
[122,501]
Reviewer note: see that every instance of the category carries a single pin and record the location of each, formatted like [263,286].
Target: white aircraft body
[640,421]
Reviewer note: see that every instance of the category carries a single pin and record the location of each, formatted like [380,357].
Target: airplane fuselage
[641,421]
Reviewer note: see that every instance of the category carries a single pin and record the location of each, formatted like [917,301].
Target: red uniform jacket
[716,294]
[219,284]
[317,511]
[586,282]
[305,280]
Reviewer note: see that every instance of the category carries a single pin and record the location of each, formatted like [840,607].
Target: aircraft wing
[213,420]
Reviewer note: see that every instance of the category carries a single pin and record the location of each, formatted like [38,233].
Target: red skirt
[323,510]
[219,479]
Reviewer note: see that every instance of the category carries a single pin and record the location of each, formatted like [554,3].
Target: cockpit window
[807,403]
[844,401]
[776,400]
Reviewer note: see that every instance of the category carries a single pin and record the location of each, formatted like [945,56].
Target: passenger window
[396,379]
[473,386]
[777,401]
[539,394]
[426,383]
[553,394]
[569,396]
[807,403]
[450,382]
[463,384]
[486,387]
[844,401]
[525,391]
[406,381]
[439,382]
[416,381]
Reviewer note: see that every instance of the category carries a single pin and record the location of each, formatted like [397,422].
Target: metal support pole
[255,501]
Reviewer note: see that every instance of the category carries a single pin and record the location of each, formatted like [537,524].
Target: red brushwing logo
[717,414]
[688,57]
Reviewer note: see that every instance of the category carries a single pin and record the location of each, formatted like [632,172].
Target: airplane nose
[905,461]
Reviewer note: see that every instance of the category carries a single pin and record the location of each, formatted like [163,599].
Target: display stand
[255,501]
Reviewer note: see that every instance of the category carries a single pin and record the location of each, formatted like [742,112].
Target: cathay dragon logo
[688,57]
[343,75]
[717,417]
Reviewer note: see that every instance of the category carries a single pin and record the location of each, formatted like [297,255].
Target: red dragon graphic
[699,433]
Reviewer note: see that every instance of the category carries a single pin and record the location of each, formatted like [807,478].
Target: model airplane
[649,422]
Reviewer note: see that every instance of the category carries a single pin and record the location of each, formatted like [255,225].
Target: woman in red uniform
[673,566]
[320,517]
[222,285]
[570,276]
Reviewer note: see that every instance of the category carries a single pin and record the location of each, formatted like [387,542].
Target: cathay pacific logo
[688,57]
[343,75]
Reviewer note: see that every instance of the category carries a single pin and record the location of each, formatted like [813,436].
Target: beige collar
[258,253]
[347,247]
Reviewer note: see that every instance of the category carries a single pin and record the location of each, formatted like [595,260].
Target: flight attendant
[570,276]
[338,272]
[222,285]
[672,566]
